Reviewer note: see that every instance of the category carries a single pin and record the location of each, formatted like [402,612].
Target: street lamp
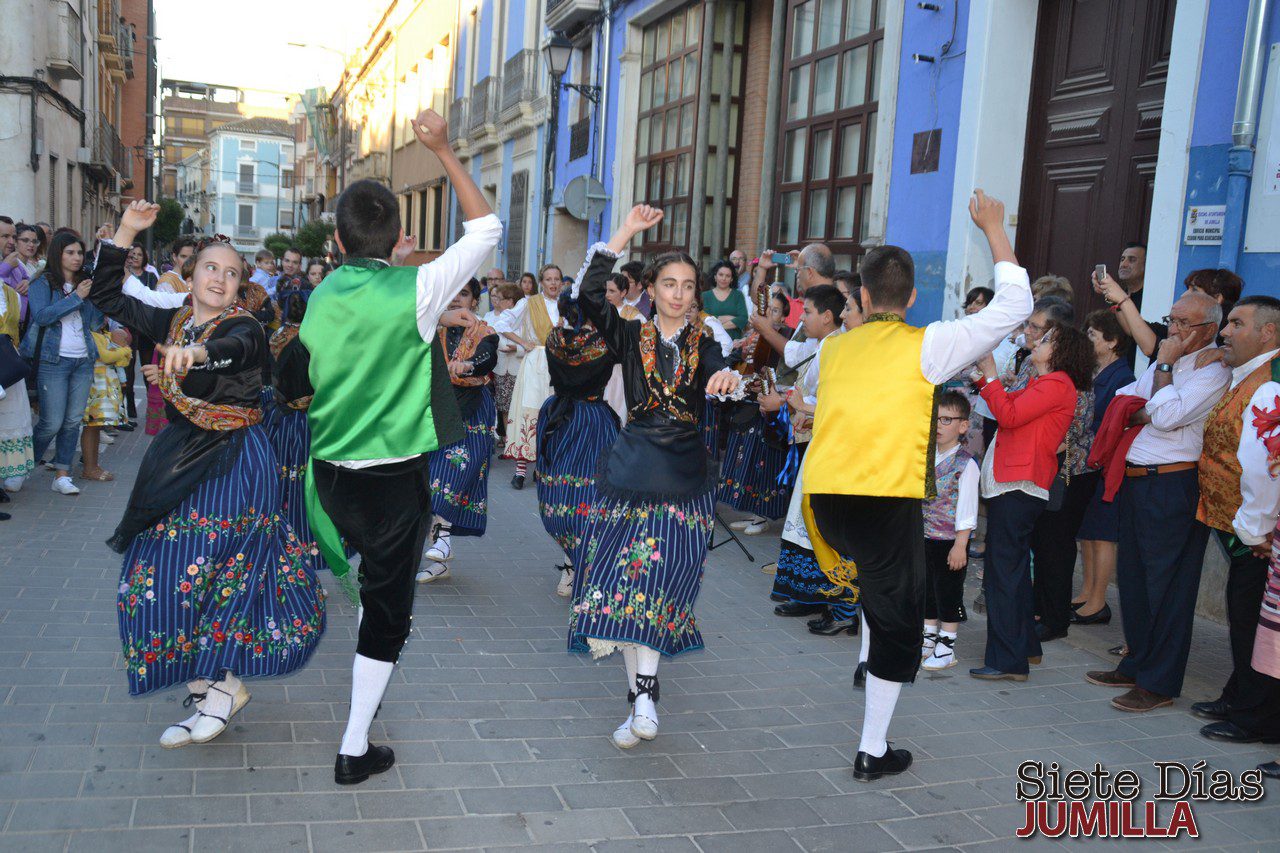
[557,52]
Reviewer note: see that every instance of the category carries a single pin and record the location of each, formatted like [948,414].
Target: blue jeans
[64,391]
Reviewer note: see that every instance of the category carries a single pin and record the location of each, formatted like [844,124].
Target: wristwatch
[1164,368]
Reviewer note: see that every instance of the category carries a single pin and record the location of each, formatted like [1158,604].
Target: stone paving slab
[501,736]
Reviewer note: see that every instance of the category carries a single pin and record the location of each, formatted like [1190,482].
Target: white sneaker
[14,484]
[64,486]
[564,589]
[744,523]
[107,438]
[756,529]
[623,737]
[643,727]
[441,551]
[433,573]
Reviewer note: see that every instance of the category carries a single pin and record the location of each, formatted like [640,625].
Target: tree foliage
[277,243]
[312,236]
[168,222]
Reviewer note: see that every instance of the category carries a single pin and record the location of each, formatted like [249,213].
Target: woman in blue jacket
[60,339]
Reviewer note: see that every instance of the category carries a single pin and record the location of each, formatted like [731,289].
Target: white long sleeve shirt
[1178,411]
[1259,488]
[155,298]
[512,320]
[720,334]
[951,345]
[438,282]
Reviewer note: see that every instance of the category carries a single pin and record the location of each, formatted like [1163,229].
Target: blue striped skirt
[220,583]
[709,423]
[290,438]
[566,472]
[460,472]
[749,474]
[641,572]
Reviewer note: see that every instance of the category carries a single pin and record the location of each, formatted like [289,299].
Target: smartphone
[1100,272]
[781,258]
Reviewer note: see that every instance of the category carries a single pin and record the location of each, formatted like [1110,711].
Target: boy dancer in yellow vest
[370,329]
[870,463]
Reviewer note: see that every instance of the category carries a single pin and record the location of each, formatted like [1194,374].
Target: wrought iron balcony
[484,106]
[458,119]
[565,14]
[108,152]
[519,82]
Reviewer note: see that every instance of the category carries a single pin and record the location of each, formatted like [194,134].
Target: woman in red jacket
[1017,477]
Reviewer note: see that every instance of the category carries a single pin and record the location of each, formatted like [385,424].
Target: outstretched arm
[107,291]
[589,286]
[951,346]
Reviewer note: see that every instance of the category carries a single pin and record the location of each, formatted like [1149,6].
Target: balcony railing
[65,37]
[484,105]
[564,14]
[246,232]
[458,119]
[246,188]
[108,151]
[125,34]
[519,81]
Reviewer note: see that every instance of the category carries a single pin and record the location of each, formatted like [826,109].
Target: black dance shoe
[777,596]
[517,482]
[4,516]
[1101,617]
[1271,768]
[795,608]
[1215,710]
[829,626]
[860,679]
[1231,733]
[127,426]
[352,770]
[867,768]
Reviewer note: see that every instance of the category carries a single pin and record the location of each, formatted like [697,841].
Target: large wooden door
[1097,94]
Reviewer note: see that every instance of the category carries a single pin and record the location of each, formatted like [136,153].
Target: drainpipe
[698,204]
[602,109]
[722,143]
[773,98]
[1244,132]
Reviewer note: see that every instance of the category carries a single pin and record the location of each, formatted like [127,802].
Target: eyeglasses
[1033,327]
[1176,323]
[948,420]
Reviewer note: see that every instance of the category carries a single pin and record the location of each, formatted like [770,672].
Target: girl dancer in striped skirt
[286,421]
[215,585]
[460,471]
[575,426]
[646,541]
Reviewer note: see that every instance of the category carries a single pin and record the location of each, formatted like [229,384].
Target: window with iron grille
[827,135]
[579,138]
[516,222]
[667,126]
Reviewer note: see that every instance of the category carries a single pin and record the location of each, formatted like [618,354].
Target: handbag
[1058,488]
[13,367]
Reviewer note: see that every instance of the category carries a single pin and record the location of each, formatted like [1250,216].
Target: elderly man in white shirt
[1161,548]
[1239,501]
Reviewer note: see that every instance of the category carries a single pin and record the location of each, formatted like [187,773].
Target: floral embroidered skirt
[220,583]
[105,406]
[566,474]
[800,579]
[749,474]
[290,438]
[532,388]
[460,473]
[642,564]
[17,459]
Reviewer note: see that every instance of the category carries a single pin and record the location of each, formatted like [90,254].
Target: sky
[245,42]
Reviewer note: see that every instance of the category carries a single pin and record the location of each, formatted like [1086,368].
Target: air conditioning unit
[84,156]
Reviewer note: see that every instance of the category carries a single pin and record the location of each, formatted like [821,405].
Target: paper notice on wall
[1204,225]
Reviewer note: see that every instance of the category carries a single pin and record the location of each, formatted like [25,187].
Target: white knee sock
[443,528]
[220,696]
[369,679]
[646,664]
[882,697]
[629,661]
[864,637]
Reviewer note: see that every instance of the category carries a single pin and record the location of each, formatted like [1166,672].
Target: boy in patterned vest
[949,520]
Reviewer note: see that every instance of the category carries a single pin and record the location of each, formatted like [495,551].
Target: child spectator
[105,407]
[949,519]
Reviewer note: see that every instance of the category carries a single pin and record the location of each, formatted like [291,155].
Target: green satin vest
[370,368]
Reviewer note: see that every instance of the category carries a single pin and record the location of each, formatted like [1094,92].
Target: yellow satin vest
[872,430]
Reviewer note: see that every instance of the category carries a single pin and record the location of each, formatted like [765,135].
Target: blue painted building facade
[251,192]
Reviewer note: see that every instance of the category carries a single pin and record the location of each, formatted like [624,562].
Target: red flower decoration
[149,657]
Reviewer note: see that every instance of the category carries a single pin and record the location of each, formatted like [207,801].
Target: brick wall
[751,150]
[134,102]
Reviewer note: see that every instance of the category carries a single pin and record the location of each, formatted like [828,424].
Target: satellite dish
[585,197]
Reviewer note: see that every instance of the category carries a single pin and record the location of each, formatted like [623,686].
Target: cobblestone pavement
[501,738]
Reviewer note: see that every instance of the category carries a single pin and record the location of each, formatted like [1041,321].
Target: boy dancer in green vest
[370,329]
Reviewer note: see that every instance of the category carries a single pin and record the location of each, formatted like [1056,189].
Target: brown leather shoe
[1140,700]
[1109,678]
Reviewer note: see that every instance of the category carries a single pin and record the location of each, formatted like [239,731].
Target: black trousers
[1254,698]
[885,537]
[384,512]
[1158,564]
[1011,617]
[1053,553]
[943,588]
